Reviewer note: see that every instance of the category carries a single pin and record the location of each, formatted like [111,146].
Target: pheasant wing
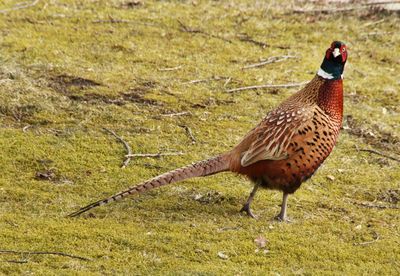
[274,133]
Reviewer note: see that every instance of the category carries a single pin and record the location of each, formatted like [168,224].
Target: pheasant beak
[336,52]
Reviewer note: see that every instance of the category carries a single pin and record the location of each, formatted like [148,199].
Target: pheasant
[284,149]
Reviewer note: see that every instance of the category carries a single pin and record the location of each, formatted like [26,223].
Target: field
[158,74]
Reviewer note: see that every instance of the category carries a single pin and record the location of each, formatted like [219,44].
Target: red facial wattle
[343,52]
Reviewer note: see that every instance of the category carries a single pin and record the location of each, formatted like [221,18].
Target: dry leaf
[261,241]
[330,177]
[222,255]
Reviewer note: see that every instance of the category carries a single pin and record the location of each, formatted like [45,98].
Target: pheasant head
[333,64]
[330,94]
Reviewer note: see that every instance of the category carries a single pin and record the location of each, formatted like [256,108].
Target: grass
[70,68]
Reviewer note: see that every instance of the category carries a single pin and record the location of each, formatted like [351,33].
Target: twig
[228,80]
[17,261]
[20,6]
[381,3]
[3,251]
[170,69]
[196,81]
[373,23]
[214,78]
[381,154]
[371,205]
[189,133]
[361,7]
[126,145]
[268,61]
[112,20]
[368,242]
[25,128]
[176,114]
[328,10]
[247,38]
[154,154]
[187,29]
[286,85]
[376,33]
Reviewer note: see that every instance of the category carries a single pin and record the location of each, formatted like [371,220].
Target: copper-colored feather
[285,148]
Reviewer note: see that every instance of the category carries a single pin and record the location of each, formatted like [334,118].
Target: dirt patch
[135,96]
[212,102]
[67,84]
[20,113]
[391,196]
[46,175]
[132,4]
[121,48]
[372,135]
[73,87]
[122,99]
[50,173]
[211,197]
[93,98]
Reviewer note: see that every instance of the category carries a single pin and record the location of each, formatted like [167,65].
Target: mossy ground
[70,68]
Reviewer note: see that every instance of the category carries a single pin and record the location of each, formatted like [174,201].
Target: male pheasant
[284,149]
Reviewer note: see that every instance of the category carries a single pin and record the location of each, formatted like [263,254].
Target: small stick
[380,153]
[126,145]
[20,6]
[3,251]
[112,20]
[371,205]
[247,38]
[373,23]
[154,154]
[328,10]
[17,261]
[268,61]
[363,6]
[368,242]
[189,133]
[376,33]
[286,85]
[25,128]
[215,78]
[176,114]
[196,81]
[263,45]
[187,29]
[228,80]
[170,69]
[380,3]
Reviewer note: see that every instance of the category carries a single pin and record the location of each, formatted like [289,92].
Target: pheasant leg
[282,215]
[246,206]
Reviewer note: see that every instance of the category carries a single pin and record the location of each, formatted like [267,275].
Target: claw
[282,218]
[246,208]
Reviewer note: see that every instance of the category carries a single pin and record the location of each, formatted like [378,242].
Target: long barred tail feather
[203,168]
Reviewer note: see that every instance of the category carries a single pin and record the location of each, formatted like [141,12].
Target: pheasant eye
[344,49]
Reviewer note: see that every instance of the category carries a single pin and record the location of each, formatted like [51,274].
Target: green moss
[70,68]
